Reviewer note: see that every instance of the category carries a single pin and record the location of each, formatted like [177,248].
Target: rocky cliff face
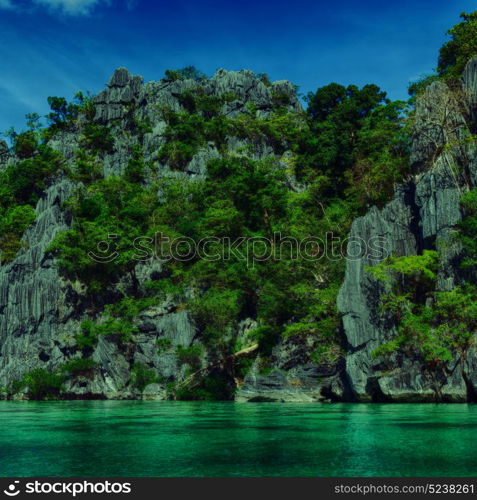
[294,378]
[41,312]
[422,215]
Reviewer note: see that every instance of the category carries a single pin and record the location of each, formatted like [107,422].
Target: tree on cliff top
[462,46]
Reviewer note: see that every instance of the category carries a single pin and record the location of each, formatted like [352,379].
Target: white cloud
[70,7]
[6,4]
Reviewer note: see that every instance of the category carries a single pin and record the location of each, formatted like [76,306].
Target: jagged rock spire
[120,78]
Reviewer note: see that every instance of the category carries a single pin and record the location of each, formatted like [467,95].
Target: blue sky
[56,47]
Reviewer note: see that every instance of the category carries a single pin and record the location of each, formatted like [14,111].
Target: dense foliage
[356,140]
[456,52]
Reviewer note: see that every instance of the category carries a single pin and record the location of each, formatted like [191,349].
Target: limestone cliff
[422,215]
[41,311]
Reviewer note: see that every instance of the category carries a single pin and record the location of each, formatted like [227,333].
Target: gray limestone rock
[41,312]
[423,214]
[292,377]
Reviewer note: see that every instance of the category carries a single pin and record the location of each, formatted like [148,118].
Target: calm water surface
[124,438]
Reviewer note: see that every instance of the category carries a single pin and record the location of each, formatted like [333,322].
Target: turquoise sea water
[124,438]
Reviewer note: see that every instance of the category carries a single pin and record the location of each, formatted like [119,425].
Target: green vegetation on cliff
[269,171]
[349,143]
[462,46]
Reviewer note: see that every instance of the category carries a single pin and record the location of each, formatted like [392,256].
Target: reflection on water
[132,438]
